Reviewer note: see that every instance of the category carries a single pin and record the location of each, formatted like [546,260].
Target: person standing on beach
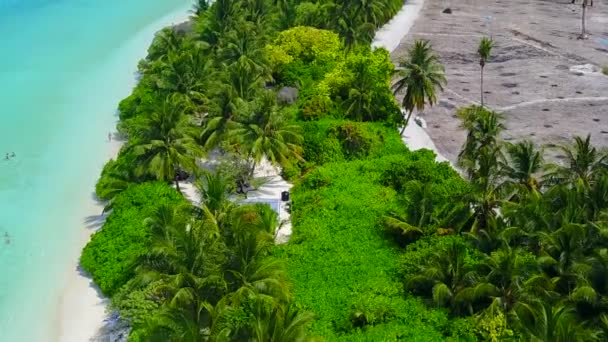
[110,136]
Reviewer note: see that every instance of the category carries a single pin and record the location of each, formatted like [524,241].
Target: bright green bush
[142,98]
[343,267]
[307,44]
[422,167]
[116,176]
[360,86]
[111,254]
[328,141]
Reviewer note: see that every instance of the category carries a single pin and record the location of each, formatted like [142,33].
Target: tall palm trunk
[407,120]
[481,82]
[583,28]
[177,185]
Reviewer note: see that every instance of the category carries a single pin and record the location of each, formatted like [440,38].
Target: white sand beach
[82,308]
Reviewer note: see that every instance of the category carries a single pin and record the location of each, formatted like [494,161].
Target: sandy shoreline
[81,308]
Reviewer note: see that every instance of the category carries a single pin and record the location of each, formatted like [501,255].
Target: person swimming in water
[13,155]
[7,156]
[7,238]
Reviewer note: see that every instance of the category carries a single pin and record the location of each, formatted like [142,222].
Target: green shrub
[328,140]
[140,100]
[116,176]
[421,167]
[360,86]
[343,267]
[418,253]
[307,44]
[605,70]
[112,253]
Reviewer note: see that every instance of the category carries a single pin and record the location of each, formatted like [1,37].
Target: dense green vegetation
[535,238]
[388,244]
[344,264]
[112,254]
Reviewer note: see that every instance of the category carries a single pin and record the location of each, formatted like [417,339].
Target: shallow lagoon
[64,65]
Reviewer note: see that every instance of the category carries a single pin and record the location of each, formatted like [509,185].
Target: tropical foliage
[387,244]
[421,76]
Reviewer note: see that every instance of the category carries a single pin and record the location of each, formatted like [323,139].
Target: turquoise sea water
[64,65]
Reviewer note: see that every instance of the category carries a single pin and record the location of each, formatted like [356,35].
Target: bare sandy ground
[529,79]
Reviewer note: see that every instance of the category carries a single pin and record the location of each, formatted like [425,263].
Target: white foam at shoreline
[82,309]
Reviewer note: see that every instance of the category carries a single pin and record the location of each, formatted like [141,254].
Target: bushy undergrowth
[344,267]
[111,254]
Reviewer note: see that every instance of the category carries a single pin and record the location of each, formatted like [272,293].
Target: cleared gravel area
[539,76]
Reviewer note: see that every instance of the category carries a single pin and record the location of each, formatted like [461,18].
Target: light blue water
[64,65]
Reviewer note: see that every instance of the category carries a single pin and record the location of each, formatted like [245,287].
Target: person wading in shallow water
[7,238]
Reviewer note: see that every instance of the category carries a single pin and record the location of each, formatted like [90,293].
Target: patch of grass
[605,70]
[344,268]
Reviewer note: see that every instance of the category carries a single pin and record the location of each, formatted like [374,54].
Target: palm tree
[583,163]
[200,6]
[351,28]
[165,41]
[165,142]
[280,324]
[266,219]
[480,157]
[359,101]
[485,48]
[216,204]
[562,252]
[224,114]
[421,76]
[267,133]
[184,72]
[246,79]
[423,215]
[244,46]
[252,272]
[220,18]
[584,4]
[542,321]
[183,264]
[369,11]
[507,274]
[448,276]
[483,130]
[525,162]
